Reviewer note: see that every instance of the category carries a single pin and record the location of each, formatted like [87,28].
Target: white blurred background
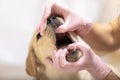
[19,18]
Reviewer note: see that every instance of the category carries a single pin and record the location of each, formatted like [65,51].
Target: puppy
[41,47]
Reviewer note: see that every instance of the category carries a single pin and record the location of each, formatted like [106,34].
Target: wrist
[99,69]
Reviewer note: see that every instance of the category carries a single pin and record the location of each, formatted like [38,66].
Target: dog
[41,47]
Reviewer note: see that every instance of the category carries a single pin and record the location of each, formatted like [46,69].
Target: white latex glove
[72,21]
[89,61]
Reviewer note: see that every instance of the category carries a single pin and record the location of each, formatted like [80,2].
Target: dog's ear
[31,62]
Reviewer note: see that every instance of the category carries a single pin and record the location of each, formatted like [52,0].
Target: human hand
[72,21]
[89,61]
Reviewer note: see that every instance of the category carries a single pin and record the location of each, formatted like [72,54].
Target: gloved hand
[72,21]
[89,61]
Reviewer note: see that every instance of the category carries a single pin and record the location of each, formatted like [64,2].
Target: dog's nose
[53,22]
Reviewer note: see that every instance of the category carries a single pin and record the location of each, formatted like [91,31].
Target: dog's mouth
[62,40]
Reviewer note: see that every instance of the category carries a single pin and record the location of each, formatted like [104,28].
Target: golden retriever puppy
[41,47]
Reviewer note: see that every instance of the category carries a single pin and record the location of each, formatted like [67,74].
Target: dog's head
[41,47]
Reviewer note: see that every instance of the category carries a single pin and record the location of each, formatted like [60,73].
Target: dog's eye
[38,36]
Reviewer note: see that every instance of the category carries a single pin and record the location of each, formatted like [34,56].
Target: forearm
[100,71]
[104,37]
[112,76]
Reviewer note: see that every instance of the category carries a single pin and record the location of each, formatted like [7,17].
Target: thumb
[61,29]
[72,46]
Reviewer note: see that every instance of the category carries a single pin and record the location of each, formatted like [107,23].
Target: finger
[47,12]
[70,66]
[61,29]
[55,58]
[42,26]
[72,46]
[75,46]
[63,62]
[48,9]
[43,23]
[79,45]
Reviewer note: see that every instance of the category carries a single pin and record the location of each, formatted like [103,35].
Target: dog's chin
[63,40]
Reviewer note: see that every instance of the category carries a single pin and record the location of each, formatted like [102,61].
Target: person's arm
[88,61]
[111,76]
[104,37]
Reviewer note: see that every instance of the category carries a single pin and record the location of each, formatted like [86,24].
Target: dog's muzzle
[64,39]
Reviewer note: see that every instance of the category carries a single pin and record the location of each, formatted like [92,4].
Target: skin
[104,37]
[112,76]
